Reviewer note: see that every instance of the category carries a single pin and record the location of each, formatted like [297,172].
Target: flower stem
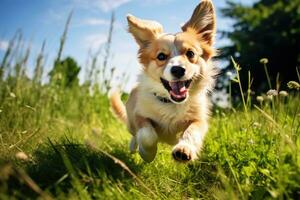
[268,77]
[237,69]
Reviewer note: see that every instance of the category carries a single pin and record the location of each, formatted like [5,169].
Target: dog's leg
[147,142]
[190,143]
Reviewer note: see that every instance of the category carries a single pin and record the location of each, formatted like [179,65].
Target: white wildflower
[269,98]
[230,75]
[264,60]
[260,99]
[293,85]
[283,93]
[272,92]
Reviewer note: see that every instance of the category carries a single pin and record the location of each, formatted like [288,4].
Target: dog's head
[179,61]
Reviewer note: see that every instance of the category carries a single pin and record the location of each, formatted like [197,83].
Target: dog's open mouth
[178,89]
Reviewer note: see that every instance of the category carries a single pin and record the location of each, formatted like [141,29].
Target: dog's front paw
[184,153]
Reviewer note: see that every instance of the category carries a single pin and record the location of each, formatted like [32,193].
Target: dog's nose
[177,71]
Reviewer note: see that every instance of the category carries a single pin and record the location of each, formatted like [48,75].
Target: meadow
[61,141]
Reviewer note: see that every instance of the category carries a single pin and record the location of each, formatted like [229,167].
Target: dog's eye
[190,54]
[162,57]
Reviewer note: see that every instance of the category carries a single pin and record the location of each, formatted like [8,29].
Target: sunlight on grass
[60,141]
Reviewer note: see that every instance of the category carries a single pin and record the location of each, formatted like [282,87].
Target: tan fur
[151,121]
[118,106]
[203,21]
[143,30]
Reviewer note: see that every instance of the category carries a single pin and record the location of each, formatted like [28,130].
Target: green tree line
[267,29]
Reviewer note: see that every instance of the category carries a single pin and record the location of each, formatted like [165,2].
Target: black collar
[162,99]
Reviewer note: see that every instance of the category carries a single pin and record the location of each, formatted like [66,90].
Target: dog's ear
[203,21]
[143,31]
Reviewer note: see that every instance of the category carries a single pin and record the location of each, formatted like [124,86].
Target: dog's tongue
[178,88]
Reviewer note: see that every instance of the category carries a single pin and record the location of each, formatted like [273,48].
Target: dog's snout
[177,71]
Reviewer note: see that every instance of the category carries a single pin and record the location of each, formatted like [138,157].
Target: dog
[170,103]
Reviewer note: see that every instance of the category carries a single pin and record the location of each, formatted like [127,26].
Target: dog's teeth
[183,89]
[177,96]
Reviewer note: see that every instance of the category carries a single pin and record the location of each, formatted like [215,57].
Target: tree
[65,73]
[267,29]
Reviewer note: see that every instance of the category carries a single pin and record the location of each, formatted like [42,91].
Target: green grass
[67,134]
[73,148]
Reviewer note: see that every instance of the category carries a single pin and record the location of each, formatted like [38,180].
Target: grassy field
[62,142]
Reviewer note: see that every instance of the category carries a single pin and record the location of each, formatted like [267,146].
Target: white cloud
[3,45]
[92,6]
[104,5]
[94,41]
[156,2]
[95,22]
[107,5]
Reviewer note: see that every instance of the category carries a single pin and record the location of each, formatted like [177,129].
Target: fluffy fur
[182,122]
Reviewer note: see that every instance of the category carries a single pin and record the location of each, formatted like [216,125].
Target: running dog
[170,103]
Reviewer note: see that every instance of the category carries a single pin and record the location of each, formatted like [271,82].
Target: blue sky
[44,20]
